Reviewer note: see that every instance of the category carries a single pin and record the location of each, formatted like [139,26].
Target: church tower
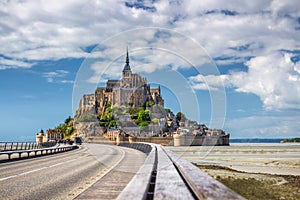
[126,73]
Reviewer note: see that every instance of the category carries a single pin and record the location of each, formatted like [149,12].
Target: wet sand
[255,171]
[267,158]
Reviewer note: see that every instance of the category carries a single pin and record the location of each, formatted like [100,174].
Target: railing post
[11,146]
[5,146]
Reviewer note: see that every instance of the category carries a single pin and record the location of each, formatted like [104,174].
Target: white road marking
[105,171]
[57,164]
[36,170]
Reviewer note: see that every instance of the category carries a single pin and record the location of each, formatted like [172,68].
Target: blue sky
[228,64]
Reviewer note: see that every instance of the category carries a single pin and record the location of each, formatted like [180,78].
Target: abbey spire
[127,66]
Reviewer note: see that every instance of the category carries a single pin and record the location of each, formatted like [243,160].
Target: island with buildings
[131,110]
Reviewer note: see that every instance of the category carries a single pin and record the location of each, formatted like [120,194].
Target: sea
[256,140]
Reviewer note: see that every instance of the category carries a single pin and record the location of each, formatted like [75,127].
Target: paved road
[63,175]
[112,183]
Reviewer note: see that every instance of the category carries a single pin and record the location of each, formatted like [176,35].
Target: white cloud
[38,30]
[9,64]
[67,81]
[52,76]
[150,49]
[209,82]
[274,78]
[232,31]
[280,8]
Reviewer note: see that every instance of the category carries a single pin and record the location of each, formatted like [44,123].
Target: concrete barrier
[143,147]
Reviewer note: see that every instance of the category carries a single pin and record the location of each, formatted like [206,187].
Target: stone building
[131,91]
[51,135]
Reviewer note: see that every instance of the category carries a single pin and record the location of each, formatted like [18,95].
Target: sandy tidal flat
[271,158]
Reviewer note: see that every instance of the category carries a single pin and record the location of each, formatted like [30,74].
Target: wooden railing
[165,175]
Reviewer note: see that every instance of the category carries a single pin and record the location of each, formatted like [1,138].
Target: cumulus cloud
[38,30]
[230,32]
[150,49]
[274,78]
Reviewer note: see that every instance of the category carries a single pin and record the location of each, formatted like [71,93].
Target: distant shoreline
[265,140]
[231,141]
[257,140]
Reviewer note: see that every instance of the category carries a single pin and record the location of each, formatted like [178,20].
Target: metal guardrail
[164,175]
[10,146]
[42,151]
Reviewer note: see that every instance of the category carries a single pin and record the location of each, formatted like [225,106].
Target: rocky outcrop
[87,129]
[86,105]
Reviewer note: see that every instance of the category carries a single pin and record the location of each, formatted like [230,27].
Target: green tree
[143,124]
[148,104]
[168,110]
[180,116]
[108,105]
[155,121]
[144,115]
[70,131]
[67,127]
[112,123]
[68,120]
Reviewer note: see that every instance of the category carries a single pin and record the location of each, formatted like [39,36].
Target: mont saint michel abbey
[131,91]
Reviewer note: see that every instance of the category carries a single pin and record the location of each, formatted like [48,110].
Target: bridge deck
[111,184]
[109,172]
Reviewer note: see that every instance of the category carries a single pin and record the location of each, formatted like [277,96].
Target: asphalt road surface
[65,175]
